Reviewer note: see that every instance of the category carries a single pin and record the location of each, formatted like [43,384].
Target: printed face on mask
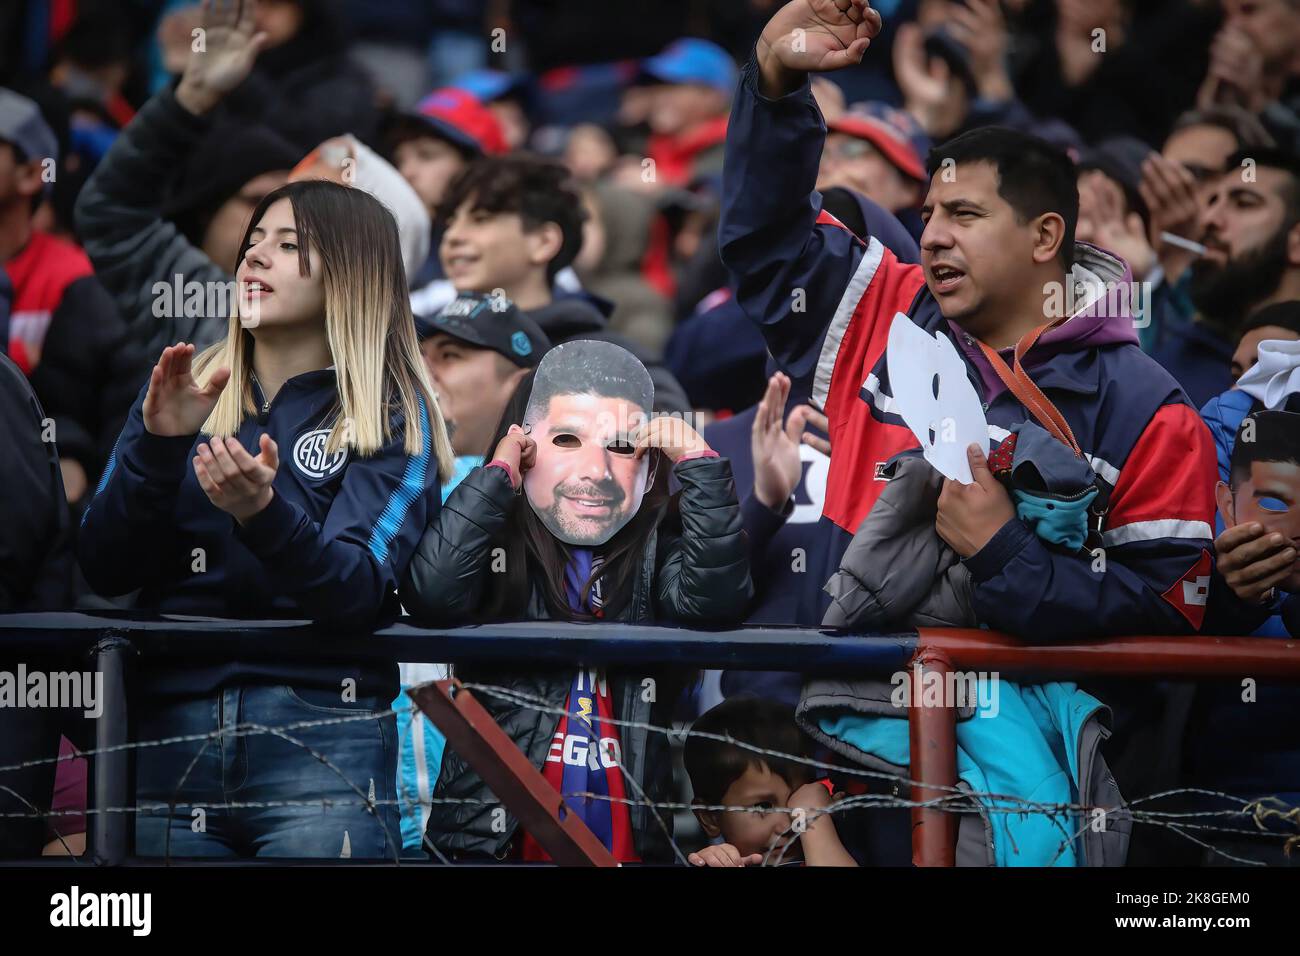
[1270,497]
[587,483]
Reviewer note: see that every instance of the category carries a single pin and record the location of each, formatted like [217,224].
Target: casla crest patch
[312,459]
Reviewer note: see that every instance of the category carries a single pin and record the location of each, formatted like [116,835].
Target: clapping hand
[775,439]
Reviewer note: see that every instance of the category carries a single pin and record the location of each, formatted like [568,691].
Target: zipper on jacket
[266,403]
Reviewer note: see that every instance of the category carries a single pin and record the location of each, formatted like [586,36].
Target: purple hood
[1103,281]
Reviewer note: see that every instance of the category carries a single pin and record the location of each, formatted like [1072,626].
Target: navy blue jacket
[331,546]
[1195,354]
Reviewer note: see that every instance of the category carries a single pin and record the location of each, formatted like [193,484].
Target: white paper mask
[935,398]
[587,402]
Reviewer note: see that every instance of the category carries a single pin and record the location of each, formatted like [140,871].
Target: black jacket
[35,526]
[695,570]
[144,262]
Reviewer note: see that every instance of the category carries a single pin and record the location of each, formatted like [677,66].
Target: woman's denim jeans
[303,789]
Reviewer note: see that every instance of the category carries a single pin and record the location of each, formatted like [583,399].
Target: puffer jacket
[695,570]
[897,570]
[1017,744]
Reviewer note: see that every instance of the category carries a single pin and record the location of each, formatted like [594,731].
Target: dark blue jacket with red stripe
[331,546]
[1149,447]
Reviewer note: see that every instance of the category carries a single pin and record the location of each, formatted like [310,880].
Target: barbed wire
[960,798]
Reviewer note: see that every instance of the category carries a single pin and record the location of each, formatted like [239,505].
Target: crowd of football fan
[519,310]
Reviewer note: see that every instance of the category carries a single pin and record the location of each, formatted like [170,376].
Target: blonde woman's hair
[368,323]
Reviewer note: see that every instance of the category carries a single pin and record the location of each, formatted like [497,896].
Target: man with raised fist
[998,259]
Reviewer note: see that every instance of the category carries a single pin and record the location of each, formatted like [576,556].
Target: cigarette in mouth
[1181,243]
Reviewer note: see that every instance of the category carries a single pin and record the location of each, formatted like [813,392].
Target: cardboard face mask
[935,398]
[588,400]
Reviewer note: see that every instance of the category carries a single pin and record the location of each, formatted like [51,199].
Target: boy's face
[754,831]
[428,164]
[1272,498]
[483,250]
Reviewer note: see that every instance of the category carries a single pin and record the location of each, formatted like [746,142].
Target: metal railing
[110,638]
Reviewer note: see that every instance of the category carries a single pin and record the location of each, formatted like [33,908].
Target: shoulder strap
[1030,395]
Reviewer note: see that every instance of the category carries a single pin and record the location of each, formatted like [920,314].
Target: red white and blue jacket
[825,301]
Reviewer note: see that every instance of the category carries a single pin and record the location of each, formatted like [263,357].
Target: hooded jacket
[1038,743]
[573,317]
[694,570]
[332,544]
[1131,419]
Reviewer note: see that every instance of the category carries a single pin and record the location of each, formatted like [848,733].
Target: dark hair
[1244,127]
[530,547]
[1276,438]
[1283,315]
[713,765]
[1034,177]
[593,368]
[400,129]
[1274,158]
[538,190]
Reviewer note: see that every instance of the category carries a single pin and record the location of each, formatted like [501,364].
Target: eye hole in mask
[566,440]
[621,445]
[1275,505]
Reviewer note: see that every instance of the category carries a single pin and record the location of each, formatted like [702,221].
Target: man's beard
[1225,293]
[586,530]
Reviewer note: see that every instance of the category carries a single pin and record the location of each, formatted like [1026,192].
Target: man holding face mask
[596,538]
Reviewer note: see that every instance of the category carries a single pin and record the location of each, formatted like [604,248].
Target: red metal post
[1157,656]
[475,736]
[932,735]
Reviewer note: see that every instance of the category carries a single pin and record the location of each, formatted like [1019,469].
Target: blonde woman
[286,472]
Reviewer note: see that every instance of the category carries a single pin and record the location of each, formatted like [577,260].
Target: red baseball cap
[891,131]
[461,119]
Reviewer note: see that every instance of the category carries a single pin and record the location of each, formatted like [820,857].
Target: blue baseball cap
[691,60]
